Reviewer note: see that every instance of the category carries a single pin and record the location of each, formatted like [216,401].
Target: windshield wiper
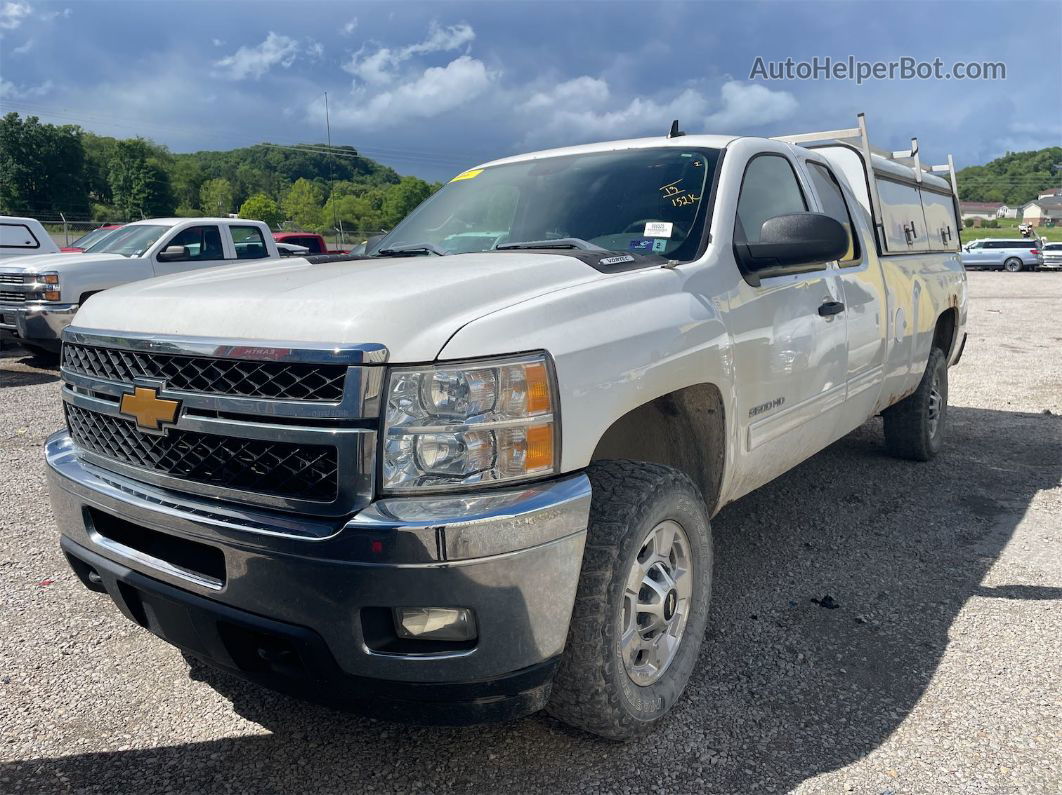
[410,250]
[561,242]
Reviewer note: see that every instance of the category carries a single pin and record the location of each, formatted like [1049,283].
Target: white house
[980,211]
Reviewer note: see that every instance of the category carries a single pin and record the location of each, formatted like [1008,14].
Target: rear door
[248,241]
[204,246]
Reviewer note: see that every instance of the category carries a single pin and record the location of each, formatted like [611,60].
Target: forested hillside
[49,169]
[1014,179]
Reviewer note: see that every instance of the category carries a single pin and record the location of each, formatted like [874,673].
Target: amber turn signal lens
[539,448]
[51,295]
[538,400]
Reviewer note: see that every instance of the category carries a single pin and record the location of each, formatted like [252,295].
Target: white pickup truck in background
[24,237]
[39,295]
[470,475]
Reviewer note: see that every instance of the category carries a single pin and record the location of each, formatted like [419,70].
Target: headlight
[456,425]
[49,278]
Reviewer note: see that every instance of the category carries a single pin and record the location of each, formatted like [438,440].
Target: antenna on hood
[675,131]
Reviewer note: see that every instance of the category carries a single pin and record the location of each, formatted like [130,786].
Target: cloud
[217,42]
[49,16]
[747,105]
[12,13]
[437,90]
[380,66]
[256,61]
[350,27]
[583,109]
[22,49]
[314,49]
[9,90]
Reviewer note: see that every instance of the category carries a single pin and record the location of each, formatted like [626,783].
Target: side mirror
[793,241]
[172,253]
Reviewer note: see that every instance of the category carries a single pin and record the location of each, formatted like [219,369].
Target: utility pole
[332,173]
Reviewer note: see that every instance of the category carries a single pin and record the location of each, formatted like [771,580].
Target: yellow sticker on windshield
[468,174]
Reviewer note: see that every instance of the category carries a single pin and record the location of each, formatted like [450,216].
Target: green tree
[139,181]
[403,198]
[42,167]
[216,197]
[262,208]
[302,205]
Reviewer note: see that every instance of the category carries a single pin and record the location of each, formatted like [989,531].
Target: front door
[203,249]
[864,300]
[790,339]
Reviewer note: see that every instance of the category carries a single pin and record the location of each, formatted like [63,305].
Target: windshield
[91,238]
[648,201]
[129,241]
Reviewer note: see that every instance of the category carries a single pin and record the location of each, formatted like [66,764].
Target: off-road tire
[909,430]
[1013,265]
[592,689]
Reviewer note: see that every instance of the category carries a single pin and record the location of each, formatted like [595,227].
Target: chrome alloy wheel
[936,402]
[656,603]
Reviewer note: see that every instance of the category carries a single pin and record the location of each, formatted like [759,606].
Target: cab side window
[201,243]
[249,242]
[769,188]
[834,205]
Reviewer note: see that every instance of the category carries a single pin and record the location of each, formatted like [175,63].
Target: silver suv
[1011,255]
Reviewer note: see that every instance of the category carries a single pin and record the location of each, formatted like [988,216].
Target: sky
[433,88]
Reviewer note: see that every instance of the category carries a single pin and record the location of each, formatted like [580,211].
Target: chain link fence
[66,229]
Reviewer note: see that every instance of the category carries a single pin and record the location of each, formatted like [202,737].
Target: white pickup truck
[40,295]
[470,475]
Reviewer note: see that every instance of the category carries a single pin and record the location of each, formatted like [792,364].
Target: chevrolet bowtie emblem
[149,410]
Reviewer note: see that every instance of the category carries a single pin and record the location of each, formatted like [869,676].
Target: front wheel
[1013,265]
[642,604]
[914,427]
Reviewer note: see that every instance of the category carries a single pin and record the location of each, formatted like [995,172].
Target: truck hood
[411,305]
[56,262]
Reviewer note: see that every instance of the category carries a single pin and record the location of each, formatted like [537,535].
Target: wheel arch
[946,330]
[684,429]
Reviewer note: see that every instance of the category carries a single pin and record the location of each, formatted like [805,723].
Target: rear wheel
[642,603]
[914,427]
[1013,265]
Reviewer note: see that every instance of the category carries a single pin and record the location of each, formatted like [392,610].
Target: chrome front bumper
[37,322]
[513,556]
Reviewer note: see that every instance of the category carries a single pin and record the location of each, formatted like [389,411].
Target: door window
[834,205]
[202,243]
[249,242]
[769,188]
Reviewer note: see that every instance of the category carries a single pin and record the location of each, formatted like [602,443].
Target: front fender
[618,343]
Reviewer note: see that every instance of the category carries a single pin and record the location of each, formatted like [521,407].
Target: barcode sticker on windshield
[657,229]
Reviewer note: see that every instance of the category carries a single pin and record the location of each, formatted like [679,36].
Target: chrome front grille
[12,297]
[211,376]
[282,469]
[12,278]
[289,428]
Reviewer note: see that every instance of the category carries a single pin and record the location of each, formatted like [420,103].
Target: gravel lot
[941,669]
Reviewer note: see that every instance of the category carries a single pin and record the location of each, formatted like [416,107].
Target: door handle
[831,308]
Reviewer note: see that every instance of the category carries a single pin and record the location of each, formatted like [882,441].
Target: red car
[89,239]
[315,243]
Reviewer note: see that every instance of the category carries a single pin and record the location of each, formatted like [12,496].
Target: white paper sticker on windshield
[657,229]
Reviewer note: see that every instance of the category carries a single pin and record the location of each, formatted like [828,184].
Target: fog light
[435,623]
